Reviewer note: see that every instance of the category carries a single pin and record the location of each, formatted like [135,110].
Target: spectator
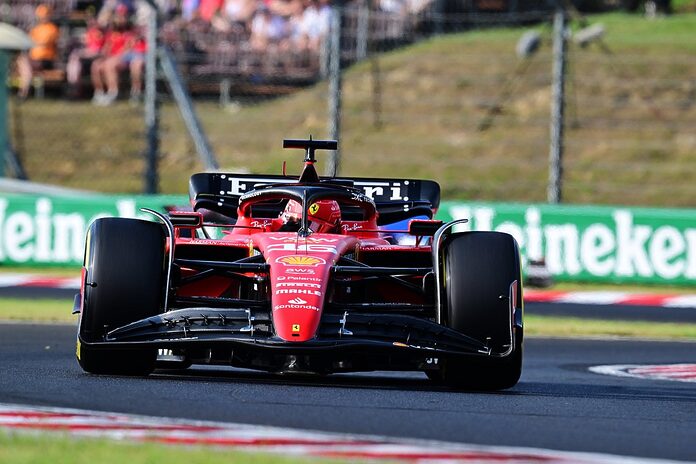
[92,43]
[235,16]
[313,26]
[207,9]
[123,47]
[189,9]
[267,29]
[44,54]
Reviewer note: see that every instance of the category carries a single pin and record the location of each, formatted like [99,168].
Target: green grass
[37,310]
[629,138]
[581,327]
[59,311]
[60,449]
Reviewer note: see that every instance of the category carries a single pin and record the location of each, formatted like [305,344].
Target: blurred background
[460,91]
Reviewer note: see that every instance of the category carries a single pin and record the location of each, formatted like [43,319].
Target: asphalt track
[557,405]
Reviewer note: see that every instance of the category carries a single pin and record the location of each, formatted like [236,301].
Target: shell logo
[299,260]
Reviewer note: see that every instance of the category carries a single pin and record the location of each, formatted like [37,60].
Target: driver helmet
[323,215]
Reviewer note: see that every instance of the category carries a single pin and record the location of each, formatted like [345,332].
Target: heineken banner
[578,243]
[593,243]
[48,231]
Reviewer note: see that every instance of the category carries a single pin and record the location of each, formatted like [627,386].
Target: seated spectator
[313,26]
[267,29]
[44,54]
[235,16]
[286,8]
[189,9]
[207,9]
[123,47]
[92,43]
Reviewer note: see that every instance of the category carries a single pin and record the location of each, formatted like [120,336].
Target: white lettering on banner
[562,249]
[534,245]
[19,231]
[69,236]
[631,257]
[3,234]
[514,230]
[42,251]
[596,247]
[297,291]
[298,284]
[666,245]
[690,272]
[484,218]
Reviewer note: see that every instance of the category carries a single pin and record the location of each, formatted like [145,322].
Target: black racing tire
[479,268]
[124,261]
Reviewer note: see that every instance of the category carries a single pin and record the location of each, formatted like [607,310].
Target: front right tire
[479,268]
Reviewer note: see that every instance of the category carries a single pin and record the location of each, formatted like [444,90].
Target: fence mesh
[436,86]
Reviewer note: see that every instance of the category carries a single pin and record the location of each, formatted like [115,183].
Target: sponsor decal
[297,291]
[297,306]
[300,260]
[297,301]
[314,208]
[301,271]
[262,224]
[349,227]
[385,190]
[297,284]
[295,239]
[296,327]
[308,247]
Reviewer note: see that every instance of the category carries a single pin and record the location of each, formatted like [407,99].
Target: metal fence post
[4,139]
[335,87]
[151,103]
[554,190]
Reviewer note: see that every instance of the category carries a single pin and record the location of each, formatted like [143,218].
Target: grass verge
[58,311]
[37,310]
[60,449]
[581,327]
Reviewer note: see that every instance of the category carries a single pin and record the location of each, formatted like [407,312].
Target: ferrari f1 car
[303,275]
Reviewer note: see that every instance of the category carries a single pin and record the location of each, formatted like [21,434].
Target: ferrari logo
[296,327]
[314,208]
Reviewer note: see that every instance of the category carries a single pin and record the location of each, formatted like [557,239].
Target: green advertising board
[594,243]
[578,243]
[50,231]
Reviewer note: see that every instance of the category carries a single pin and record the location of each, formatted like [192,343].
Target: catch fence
[426,92]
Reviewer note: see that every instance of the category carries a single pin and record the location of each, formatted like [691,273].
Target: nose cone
[299,278]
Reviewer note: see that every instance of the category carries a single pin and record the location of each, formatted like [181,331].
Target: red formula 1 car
[303,275]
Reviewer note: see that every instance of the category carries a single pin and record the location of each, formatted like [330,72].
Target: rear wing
[220,192]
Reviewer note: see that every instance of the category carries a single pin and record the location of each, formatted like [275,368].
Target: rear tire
[479,268]
[124,259]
